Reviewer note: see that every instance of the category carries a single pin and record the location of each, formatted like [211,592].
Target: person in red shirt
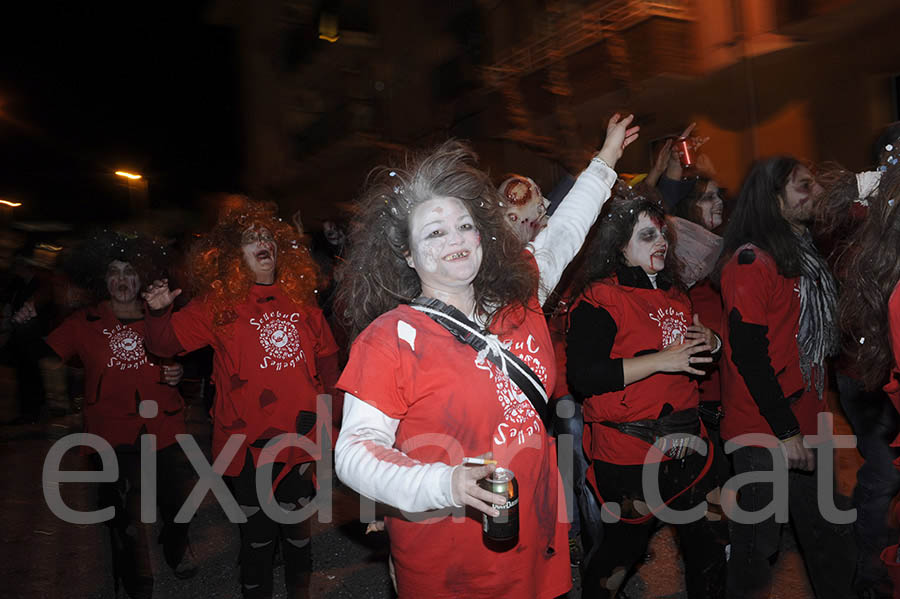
[418,400]
[128,394]
[274,354]
[779,299]
[633,343]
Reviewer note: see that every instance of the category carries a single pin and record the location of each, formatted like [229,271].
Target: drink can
[684,150]
[505,526]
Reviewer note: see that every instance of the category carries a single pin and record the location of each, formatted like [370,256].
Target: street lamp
[128,175]
[12,204]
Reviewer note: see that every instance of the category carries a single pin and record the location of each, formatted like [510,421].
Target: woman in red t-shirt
[418,400]
[274,355]
[128,394]
[633,343]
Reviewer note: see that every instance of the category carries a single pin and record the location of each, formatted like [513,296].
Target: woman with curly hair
[868,268]
[274,354]
[430,238]
[632,346]
[128,394]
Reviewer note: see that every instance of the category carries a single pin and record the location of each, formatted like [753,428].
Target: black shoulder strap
[469,333]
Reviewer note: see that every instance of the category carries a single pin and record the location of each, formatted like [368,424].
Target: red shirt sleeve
[372,372]
[193,326]
[747,286]
[64,338]
[325,343]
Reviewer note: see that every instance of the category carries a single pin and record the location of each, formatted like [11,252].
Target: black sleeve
[589,369]
[673,191]
[750,353]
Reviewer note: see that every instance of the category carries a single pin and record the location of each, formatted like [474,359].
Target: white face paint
[260,253]
[647,247]
[122,282]
[445,246]
[710,205]
[526,207]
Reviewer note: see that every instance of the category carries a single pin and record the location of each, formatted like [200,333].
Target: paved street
[47,558]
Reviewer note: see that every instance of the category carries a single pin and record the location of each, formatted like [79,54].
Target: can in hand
[683,144]
[502,532]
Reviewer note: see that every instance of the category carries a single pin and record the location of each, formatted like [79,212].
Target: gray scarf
[818,336]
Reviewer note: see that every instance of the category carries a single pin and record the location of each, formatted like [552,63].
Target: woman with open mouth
[632,348]
[433,262]
[128,394]
[274,354]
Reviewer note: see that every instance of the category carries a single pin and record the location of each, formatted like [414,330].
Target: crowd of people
[467,327]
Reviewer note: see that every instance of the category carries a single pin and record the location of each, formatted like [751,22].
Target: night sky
[88,88]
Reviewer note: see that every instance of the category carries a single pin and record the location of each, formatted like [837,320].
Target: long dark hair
[871,264]
[376,277]
[614,229]
[757,215]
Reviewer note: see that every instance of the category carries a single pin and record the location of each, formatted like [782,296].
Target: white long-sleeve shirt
[413,486]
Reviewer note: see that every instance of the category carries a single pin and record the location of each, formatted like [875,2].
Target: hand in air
[158,296]
[618,136]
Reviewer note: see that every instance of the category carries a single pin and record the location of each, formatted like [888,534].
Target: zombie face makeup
[445,246]
[526,210]
[710,206]
[260,253]
[796,200]
[648,246]
[122,282]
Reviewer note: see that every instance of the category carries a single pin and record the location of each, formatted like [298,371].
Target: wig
[376,277]
[224,279]
[613,232]
[88,262]
[870,263]
[757,215]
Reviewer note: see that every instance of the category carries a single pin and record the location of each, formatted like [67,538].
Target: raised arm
[562,238]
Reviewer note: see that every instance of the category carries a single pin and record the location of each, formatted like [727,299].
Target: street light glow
[8,203]
[128,175]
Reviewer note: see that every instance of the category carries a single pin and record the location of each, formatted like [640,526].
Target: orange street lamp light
[128,175]
[8,203]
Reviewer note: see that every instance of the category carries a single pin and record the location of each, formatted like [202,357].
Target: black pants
[260,533]
[132,564]
[829,551]
[702,542]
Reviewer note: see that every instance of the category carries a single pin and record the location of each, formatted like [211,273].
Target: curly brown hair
[220,273]
[870,263]
[376,277]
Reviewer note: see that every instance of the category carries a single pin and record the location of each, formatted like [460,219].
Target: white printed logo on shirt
[520,420]
[127,348]
[672,324]
[280,339]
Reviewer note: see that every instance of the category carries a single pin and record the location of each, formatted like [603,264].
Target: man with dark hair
[779,302]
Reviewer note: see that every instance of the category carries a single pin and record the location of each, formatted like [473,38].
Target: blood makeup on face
[122,281]
[648,246]
[445,246]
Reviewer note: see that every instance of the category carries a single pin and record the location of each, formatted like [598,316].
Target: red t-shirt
[450,406]
[646,319]
[118,375]
[264,367]
[763,297]
[707,302]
